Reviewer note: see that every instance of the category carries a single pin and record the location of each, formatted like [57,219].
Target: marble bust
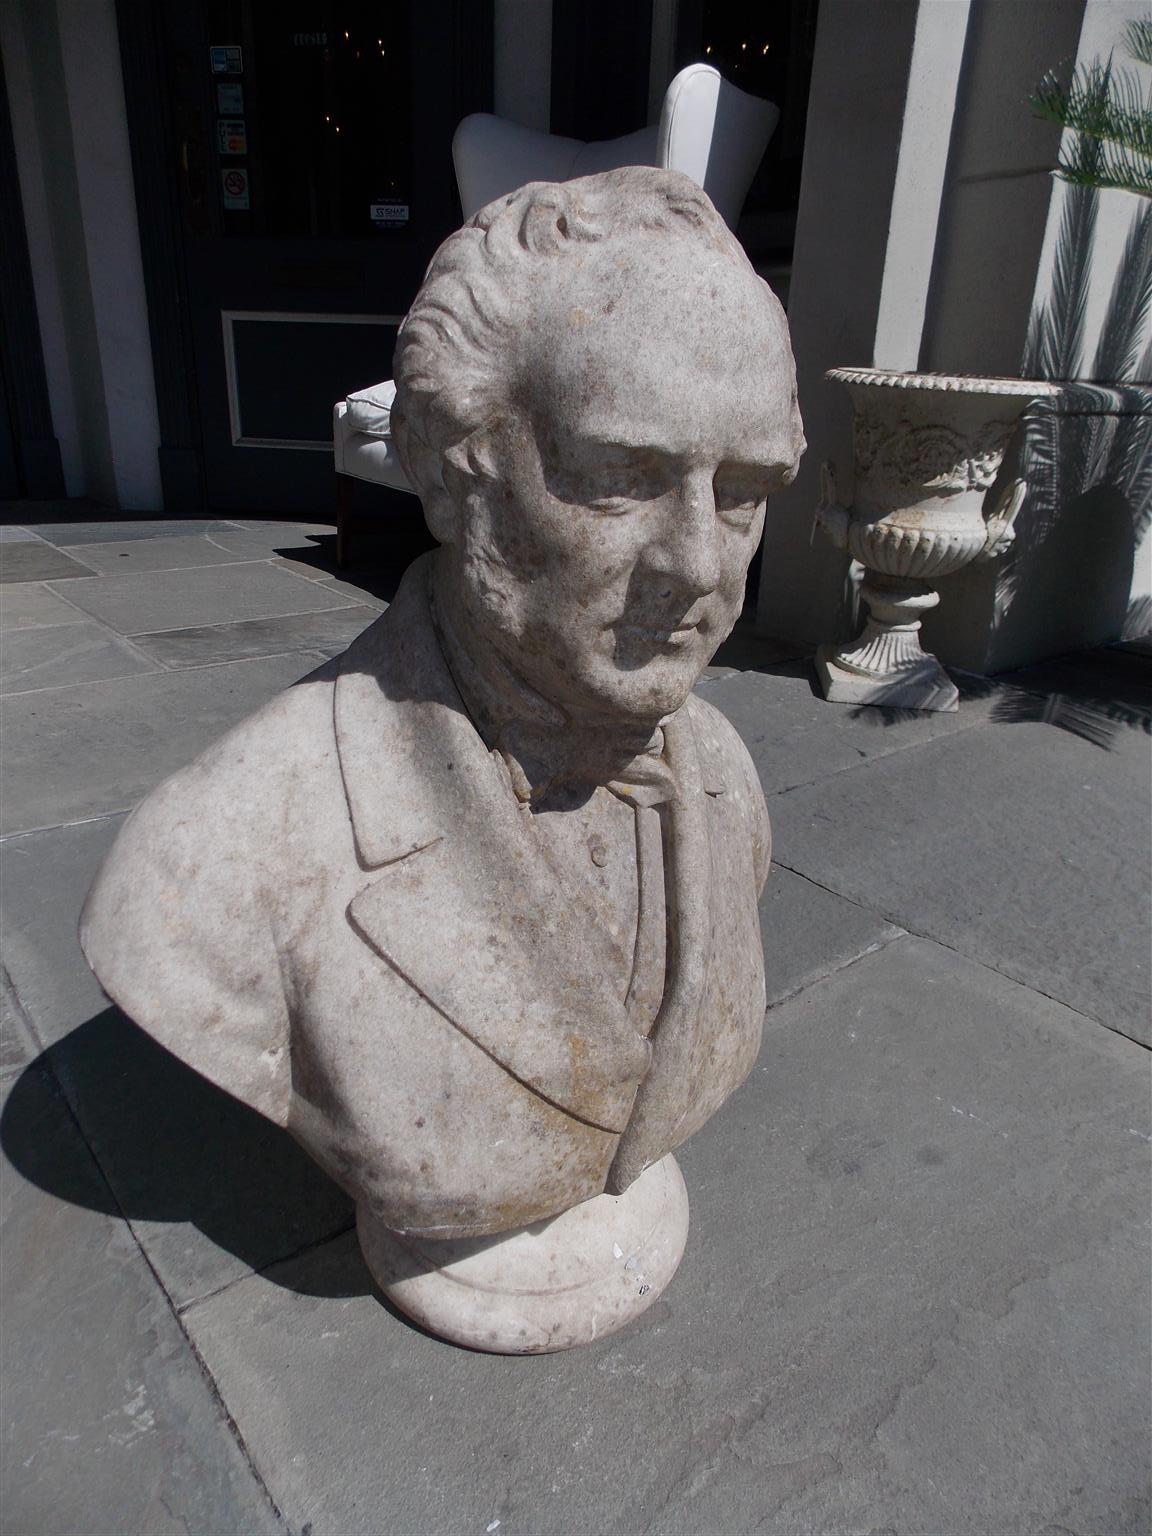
[472,910]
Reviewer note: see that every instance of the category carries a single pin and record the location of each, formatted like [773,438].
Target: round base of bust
[550,1286]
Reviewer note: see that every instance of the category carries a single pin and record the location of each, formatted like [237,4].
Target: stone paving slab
[26,560]
[275,528]
[16,1045]
[795,736]
[1021,845]
[13,535]
[123,557]
[154,600]
[328,631]
[31,605]
[914,1300]
[273,538]
[809,932]
[110,1427]
[44,877]
[63,654]
[75,753]
[99,531]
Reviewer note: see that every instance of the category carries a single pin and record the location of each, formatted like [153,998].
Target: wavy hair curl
[456,355]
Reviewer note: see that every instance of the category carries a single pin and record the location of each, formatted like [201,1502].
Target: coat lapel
[670,1083]
[462,905]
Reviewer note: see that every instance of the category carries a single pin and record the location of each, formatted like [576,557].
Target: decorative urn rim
[952,383]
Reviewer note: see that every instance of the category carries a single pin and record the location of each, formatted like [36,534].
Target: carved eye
[612,506]
[738,504]
[623,488]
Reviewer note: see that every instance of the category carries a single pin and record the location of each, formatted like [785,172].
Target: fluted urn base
[547,1287]
[886,665]
[924,685]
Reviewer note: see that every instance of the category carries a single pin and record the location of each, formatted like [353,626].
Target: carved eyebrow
[623,445]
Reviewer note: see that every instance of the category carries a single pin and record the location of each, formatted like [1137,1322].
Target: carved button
[598,851]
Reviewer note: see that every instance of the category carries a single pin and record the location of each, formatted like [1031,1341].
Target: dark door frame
[467,25]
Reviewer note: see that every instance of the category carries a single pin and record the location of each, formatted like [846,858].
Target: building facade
[218,211]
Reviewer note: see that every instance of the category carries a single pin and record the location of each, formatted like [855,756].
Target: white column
[880,112]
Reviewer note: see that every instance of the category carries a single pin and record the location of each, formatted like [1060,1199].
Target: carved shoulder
[726,764]
[177,925]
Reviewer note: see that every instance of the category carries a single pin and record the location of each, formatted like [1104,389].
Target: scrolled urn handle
[1001,533]
[830,515]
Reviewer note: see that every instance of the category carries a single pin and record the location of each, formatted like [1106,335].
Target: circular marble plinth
[550,1286]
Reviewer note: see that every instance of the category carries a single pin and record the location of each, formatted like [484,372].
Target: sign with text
[232,133]
[227,59]
[229,98]
[388,215]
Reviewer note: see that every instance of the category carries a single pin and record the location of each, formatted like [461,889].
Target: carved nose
[694,541]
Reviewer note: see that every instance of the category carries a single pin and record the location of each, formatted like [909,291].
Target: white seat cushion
[370,410]
[365,455]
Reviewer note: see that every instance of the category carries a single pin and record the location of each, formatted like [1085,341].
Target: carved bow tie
[540,759]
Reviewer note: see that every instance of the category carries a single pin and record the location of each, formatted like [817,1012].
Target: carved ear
[472,459]
[441,514]
[460,468]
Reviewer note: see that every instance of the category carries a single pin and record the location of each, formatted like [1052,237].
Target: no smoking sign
[235,186]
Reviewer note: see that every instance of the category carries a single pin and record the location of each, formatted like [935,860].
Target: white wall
[70,128]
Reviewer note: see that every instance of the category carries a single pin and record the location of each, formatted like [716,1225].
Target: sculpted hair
[456,354]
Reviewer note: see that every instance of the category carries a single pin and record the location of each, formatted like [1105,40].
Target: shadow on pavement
[175,1149]
[377,560]
[1095,696]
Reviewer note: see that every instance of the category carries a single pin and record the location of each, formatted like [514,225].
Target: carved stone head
[595,396]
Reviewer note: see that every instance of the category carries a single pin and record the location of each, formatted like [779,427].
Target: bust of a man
[472,910]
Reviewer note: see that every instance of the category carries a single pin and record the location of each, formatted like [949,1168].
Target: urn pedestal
[928,451]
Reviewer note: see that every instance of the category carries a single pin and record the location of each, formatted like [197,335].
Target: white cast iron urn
[928,450]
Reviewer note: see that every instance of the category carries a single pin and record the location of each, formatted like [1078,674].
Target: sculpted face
[615,508]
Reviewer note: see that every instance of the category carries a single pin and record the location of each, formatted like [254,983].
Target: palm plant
[1108,111]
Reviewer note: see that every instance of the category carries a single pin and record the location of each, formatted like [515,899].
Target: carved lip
[674,634]
[954,383]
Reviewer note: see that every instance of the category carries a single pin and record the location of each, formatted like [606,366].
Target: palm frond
[1086,162]
[1138,39]
[1107,112]
[1129,306]
[1101,101]
[1059,334]
[1131,465]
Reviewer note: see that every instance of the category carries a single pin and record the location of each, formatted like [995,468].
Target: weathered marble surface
[472,910]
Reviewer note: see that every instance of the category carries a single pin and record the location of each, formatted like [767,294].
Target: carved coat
[338,914]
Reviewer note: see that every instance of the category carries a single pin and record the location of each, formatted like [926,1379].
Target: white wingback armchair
[708,128]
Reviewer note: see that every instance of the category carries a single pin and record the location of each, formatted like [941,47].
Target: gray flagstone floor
[916,1296]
